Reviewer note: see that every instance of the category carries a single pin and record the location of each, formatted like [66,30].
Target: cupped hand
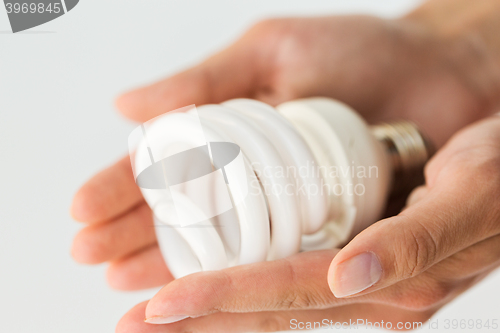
[384,69]
[400,270]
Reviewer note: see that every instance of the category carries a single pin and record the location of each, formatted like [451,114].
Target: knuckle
[426,298]
[416,195]
[431,168]
[274,323]
[477,162]
[301,296]
[419,250]
[284,35]
[480,178]
[489,196]
[296,301]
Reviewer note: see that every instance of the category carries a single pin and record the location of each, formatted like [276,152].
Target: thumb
[401,247]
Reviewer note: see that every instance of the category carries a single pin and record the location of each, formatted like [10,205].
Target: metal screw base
[408,151]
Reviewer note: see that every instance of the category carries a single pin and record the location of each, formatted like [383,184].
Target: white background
[58,127]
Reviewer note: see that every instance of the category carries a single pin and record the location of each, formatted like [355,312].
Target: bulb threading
[408,150]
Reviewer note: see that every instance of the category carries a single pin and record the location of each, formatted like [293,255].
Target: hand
[446,240]
[385,69]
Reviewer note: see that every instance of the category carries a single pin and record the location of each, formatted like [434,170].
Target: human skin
[444,241]
[428,67]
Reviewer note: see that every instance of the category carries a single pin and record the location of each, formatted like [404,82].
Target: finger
[128,233]
[296,282]
[272,321]
[470,262]
[109,193]
[265,287]
[446,221]
[461,209]
[402,247]
[234,72]
[416,195]
[142,270]
[442,282]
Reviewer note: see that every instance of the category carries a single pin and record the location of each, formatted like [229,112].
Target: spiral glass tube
[243,182]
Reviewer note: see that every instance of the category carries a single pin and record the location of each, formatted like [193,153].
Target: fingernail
[356,274]
[164,319]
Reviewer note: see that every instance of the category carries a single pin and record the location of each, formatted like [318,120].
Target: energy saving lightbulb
[244,182]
